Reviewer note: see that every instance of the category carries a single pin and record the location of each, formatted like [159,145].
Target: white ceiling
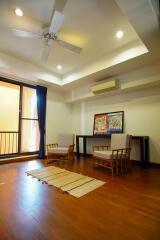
[89,24]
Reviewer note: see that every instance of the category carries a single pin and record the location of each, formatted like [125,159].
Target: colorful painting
[100,123]
[107,123]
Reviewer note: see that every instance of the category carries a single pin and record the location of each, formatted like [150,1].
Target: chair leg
[113,168]
[46,162]
[112,172]
[129,164]
[72,157]
[116,163]
[121,165]
[126,167]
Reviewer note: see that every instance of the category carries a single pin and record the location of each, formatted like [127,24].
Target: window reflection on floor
[31,165]
[32,189]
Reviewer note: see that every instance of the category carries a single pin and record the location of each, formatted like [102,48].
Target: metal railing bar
[8,132]
[5,144]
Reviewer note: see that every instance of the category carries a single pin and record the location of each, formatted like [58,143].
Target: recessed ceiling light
[59,67]
[19,12]
[119,34]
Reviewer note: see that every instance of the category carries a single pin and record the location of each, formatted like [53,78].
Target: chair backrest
[64,140]
[120,140]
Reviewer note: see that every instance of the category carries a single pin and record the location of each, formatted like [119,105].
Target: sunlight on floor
[32,189]
[33,165]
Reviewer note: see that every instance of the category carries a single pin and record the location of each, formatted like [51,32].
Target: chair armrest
[121,153]
[102,148]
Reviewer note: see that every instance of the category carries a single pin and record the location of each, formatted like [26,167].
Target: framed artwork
[107,123]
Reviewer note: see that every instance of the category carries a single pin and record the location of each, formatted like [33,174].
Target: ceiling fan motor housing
[48,36]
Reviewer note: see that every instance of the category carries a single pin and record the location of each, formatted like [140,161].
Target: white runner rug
[70,182]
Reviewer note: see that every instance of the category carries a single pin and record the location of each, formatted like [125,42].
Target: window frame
[21,84]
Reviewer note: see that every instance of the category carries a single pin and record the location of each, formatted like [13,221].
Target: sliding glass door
[9,118]
[29,121]
[19,130]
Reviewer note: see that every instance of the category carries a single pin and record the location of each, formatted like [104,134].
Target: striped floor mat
[71,182]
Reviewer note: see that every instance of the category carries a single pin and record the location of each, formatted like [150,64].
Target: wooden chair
[63,150]
[116,156]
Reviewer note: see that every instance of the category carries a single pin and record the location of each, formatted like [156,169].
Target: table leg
[77,147]
[84,146]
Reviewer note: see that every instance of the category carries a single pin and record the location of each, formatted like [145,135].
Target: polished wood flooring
[125,208]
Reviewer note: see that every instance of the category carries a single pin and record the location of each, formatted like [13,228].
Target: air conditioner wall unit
[105,86]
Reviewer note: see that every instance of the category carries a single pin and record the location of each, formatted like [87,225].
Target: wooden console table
[144,146]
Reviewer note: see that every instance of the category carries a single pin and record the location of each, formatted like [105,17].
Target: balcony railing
[8,143]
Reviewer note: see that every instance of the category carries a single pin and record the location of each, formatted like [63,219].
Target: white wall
[58,117]
[141,109]
[18,69]
[142,116]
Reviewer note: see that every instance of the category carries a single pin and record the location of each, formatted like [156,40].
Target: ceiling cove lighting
[18,12]
[119,34]
[59,67]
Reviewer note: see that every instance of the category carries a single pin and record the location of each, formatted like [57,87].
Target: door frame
[21,84]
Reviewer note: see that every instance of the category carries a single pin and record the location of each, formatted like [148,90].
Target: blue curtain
[41,107]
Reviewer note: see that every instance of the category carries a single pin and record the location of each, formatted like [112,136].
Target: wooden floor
[125,208]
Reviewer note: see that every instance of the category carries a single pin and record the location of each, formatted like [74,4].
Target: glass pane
[9,108]
[29,103]
[30,136]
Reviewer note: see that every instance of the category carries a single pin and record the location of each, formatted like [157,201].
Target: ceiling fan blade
[26,34]
[69,46]
[59,5]
[45,52]
[56,22]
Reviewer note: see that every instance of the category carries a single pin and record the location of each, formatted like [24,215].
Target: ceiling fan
[50,36]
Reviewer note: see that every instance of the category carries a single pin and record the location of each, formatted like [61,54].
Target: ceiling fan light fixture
[119,34]
[59,67]
[18,12]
